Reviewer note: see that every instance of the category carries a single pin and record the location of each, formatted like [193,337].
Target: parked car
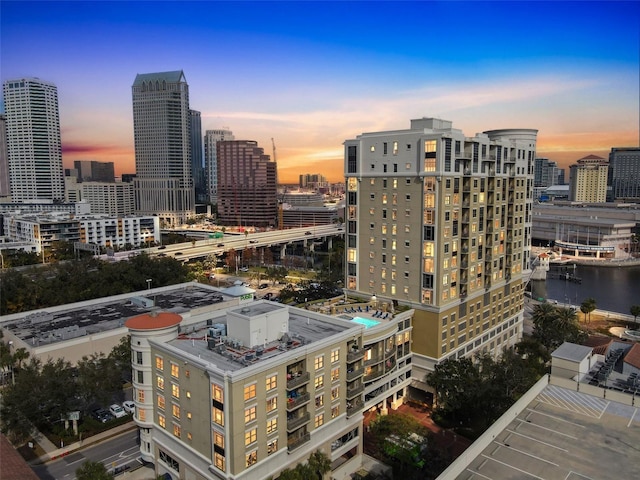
[117,411]
[245,284]
[177,253]
[253,241]
[221,245]
[129,406]
[308,233]
[101,415]
[244,269]
[268,295]
[162,247]
[263,285]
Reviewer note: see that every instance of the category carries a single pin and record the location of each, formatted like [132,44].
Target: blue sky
[312,74]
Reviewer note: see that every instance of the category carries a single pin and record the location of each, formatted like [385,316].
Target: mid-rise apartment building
[588,180]
[247,184]
[441,222]
[256,388]
[161,127]
[211,138]
[115,199]
[624,174]
[34,148]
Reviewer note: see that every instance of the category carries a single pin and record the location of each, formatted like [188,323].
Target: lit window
[335,393]
[189,436]
[175,370]
[319,362]
[319,381]
[188,394]
[160,382]
[272,404]
[140,396]
[272,382]
[175,390]
[161,401]
[249,414]
[335,355]
[251,458]
[216,393]
[161,421]
[218,439]
[217,415]
[189,415]
[272,446]
[335,411]
[218,461]
[159,363]
[141,413]
[176,411]
[250,436]
[177,431]
[319,401]
[335,374]
[249,392]
[272,425]
[319,420]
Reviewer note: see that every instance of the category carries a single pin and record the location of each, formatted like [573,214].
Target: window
[140,395]
[176,411]
[319,362]
[141,413]
[175,390]
[140,375]
[189,415]
[159,363]
[249,414]
[161,401]
[319,420]
[160,382]
[272,382]
[335,393]
[251,458]
[335,374]
[216,393]
[218,461]
[272,446]
[319,382]
[162,421]
[249,392]
[272,425]
[218,416]
[175,370]
[250,436]
[272,404]
[177,431]
[319,401]
[335,411]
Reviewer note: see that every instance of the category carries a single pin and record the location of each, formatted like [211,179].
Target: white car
[129,406]
[117,411]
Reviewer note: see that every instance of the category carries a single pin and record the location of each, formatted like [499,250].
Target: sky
[310,75]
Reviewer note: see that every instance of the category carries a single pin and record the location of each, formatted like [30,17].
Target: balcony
[372,376]
[354,355]
[297,422]
[295,402]
[297,379]
[354,391]
[353,374]
[373,360]
[354,407]
[298,442]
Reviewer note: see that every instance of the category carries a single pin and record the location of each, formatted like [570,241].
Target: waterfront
[614,289]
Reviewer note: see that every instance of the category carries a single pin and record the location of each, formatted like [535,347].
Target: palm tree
[566,317]
[635,311]
[320,463]
[588,306]
[543,313]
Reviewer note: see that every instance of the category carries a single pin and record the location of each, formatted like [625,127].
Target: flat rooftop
[49,326]
[563,435]
[226,354]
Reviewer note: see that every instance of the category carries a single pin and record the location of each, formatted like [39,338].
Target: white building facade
[211,138]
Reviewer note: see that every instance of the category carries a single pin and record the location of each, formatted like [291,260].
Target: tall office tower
[545,173]
[211,138]
[588,180]
[624,173]
[560,176]
[33,140]
[247,185]
[4,161]
[161,126]
[441,223]
[196,156]
[92,171]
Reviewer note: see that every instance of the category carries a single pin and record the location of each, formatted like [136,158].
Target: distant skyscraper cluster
[313,181]
[34,150]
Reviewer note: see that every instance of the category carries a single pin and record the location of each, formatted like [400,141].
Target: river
[614,289]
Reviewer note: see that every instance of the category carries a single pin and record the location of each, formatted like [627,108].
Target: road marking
[632,417]
[479,474]
[548,429]
[525,453]
[536,440]
[560,419]
[576,473]
[515,468]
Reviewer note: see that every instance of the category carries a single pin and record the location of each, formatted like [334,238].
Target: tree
[588,306]
[319,463]
[91,470]
[554,326]
[635,311]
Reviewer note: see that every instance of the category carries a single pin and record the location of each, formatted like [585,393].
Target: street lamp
[149,280]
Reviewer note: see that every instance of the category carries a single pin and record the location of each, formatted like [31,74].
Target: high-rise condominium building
[545,173]
[247,185]
[196,156]
[211,138]
[441,222]
[588,180]
[33,140]
[624,173]
[315,180]
[161,125]
[4,161]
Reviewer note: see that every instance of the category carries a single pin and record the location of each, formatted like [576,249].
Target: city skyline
[311,75]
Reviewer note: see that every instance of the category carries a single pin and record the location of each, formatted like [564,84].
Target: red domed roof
[153,321]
